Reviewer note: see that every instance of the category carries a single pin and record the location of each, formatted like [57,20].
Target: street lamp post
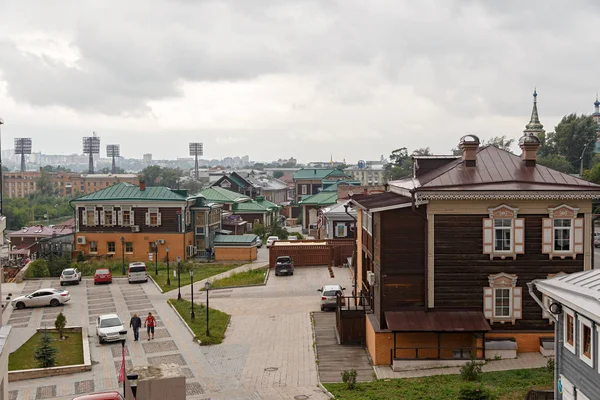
[168,275]
[582,157]
[207,286]
[192,279]
[156,254]
[178,278]
[123,254]
[123,334]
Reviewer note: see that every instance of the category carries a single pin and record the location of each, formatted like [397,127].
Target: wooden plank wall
[336,250]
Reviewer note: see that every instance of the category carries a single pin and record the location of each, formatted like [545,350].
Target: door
[43,298]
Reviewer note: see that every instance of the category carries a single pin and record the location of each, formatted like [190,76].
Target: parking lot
[267,352]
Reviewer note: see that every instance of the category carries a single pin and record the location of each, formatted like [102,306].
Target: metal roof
[128,191]
[319,199]
[217,194]
[379,200]
[247,239]
[249,206]
[436,321]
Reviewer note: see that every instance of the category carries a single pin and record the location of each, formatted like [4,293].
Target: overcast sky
[281,78]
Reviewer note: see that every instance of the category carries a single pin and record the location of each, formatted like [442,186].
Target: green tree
[556,162]
[60,323]
[593,175]
[400,165]
[45,185]
[169,177]
[45,353]
[424,151]
[151,174]
[501,142]
[573,136]
[50,168]
[259,230]
[260,166]
[277,174]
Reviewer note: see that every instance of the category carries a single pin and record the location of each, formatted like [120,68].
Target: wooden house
[446,254]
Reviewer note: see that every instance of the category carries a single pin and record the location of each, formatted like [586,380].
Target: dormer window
[503,233]
[562,232]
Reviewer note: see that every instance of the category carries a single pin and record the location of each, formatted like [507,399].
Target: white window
[340,230]
[569,330]
[107,216]
[304,189]
[562,232]
[503,233]
[93,247]
[586,341]
[502,300]
[125,216]
[153,217]
[367,222]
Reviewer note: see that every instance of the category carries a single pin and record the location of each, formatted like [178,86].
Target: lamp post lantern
[168,276]
[207,286]
[156,254]
[192,279]
[123,255]
[178,278]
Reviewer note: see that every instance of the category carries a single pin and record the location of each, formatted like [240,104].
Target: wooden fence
[334,252]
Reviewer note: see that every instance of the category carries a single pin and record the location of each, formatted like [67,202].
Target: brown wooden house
[447,254]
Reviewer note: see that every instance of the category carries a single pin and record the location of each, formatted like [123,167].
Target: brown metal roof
[436,321]
[377,200]
[495,166]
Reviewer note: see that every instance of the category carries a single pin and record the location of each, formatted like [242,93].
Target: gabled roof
[127,191]
[215,194]
[378,201]
[312,173]
[249,206]
[266,203]
[319,199]
[232,240]
[495,170]
[338,212]
[332,185]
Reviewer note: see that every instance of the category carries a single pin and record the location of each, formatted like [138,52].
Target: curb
[156,285]
[324,389]
[185,324]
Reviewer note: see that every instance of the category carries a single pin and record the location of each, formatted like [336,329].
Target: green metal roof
[249,206]
[319,199]
[217,194]
[331,185]
[312,173]
[128,191]
[266,203]
[246,239]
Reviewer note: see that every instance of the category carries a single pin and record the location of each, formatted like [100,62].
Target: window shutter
[578,236]
[83,216]
[158,220]
[519,237]
[131,219]
[517,302]
[95,217]
[547,236]
[102,217]
[545,302]
[488,236]
[120,217]
[148,219]
[488,302]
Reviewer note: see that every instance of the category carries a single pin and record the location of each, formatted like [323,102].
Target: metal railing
[436,353]
[355,303]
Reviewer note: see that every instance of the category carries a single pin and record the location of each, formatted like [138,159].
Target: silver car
[41,298]
[109,328]
[70,275]
[329,295]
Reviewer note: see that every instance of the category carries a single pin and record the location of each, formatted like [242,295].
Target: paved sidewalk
[524,361]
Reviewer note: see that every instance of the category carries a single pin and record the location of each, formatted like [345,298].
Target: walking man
[135,324]
[150,323]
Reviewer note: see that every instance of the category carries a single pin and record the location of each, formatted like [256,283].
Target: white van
[137,272]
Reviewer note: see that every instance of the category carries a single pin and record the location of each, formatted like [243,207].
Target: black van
[284,265]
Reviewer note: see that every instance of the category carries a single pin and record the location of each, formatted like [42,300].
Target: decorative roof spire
[534,127]
[597,103]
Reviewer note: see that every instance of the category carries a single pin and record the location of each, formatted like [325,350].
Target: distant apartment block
[147,158]
[23,184]
[370,176]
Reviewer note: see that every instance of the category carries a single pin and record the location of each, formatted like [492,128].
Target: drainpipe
[557,348]
[354,252]
[75,229]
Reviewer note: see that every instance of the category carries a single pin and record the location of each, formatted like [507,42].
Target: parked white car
[108,328]
[70,275]
[41,298]
[271,239]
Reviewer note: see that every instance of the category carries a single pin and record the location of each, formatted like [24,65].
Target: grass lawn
[507,385]
[70,351]
[201,271]
[252,277]
[218,321]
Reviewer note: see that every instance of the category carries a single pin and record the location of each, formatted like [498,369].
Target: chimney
[142,186]
[469,145]
[529,144]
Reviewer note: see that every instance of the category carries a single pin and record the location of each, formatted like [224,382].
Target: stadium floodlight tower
[196,149]
[91,146]
[113,151]
[22,147]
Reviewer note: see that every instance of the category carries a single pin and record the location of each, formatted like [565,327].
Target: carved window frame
[517,232]
[503,281]
[577,236]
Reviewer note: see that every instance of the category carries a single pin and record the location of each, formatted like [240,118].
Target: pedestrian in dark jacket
[136,324]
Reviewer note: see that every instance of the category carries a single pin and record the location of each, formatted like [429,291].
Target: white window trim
[510,303]
[581,323]
[571,236]
[304,189]
[517,232]
[111,252]
[569,347]
[93,252]
[512,237]
[112,216]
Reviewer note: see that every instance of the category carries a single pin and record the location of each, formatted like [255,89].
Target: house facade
[25,243]
[572,303]
[131,221]
[309,182]
[446,254]
[207,223]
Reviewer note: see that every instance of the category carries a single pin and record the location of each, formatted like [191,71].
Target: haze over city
[298,78]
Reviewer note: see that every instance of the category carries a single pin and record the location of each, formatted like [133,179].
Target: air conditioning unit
[161,241]
[135,228]
[80,239]
[371,278]
[199,230]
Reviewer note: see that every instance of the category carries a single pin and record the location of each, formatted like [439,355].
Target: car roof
[69,269]
[106,316]
[137,264]
[102,269]
[332,287]
[273,237]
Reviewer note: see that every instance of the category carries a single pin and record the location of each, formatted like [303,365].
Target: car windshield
[284,260]
[110,322]
[102,271]
[137,269]
[330,293]
[68,272]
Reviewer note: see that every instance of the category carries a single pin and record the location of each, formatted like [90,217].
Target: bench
[547,346]
[505,348]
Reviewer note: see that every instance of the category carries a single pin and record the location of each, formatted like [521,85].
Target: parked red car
[102,275]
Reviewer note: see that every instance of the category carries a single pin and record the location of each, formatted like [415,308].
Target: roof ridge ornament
[534,127]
